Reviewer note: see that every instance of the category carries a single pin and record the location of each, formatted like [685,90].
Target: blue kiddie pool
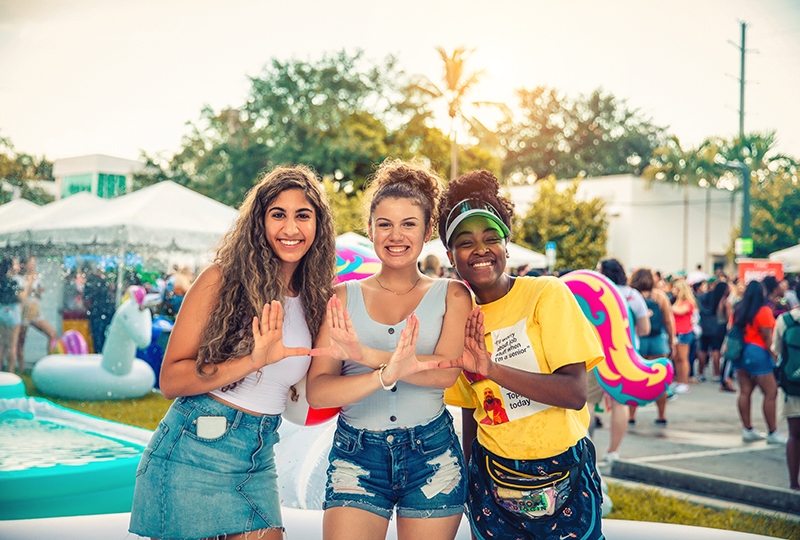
[58,462]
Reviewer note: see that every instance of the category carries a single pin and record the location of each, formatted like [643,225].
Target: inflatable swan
[626,376]
[115,374]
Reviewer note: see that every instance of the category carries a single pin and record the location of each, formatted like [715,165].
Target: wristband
[380,378]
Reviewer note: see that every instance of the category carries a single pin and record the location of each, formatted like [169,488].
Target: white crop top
[264,391]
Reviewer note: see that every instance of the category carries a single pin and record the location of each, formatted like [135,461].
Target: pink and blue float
[625,375]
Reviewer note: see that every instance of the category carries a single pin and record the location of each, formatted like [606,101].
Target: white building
[101,175]
[646,222]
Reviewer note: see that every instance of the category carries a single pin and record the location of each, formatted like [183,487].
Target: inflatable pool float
[115,374]
[307,525]
[625,375]
[59,462]
[11,385]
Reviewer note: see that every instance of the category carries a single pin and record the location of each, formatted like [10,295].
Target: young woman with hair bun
[242,337]
[395,448]
[531,470]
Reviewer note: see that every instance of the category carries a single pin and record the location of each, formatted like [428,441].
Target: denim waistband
[399,436]
[235,417]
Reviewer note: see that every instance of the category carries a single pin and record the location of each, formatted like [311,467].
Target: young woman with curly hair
[241,339]
[395,448]
[531,468]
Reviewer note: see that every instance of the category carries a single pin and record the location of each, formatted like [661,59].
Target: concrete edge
[774,498]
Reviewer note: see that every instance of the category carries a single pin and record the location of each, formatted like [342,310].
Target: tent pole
[120,274]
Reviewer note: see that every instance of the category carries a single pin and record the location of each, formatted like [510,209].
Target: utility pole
[746,243]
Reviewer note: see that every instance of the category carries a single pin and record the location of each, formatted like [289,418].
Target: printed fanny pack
[529,496]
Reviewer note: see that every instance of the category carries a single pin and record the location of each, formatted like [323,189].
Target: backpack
[656,321]
[733,346]
[788,371]
[708,319]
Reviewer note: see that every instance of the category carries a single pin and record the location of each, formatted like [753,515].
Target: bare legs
[619,425]
[343,523]
[9,337]
[682,363]
[768,387]
[42,326]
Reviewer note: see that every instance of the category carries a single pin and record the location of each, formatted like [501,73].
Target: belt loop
[358,439]
[413,438]
[236,420]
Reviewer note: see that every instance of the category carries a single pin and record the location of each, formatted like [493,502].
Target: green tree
[592,135]
[775,221]
[347,207]
[19,172]
[579,228]
[331,114]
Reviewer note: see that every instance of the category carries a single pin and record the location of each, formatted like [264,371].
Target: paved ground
[701,451]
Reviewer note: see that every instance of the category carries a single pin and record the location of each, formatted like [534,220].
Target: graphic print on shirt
[512,347]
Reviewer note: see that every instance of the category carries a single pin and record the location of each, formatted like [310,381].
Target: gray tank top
[408,405]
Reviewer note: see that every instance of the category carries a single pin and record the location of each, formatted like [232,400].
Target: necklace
[397,293]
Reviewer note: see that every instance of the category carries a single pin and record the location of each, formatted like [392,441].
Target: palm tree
[457,84]
[671,163]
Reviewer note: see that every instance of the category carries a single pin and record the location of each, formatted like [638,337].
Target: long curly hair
[251,273]
[399,179]
[481,185]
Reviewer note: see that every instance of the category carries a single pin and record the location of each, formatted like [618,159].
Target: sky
[120,78]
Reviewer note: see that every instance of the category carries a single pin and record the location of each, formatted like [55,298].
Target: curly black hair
[481,185]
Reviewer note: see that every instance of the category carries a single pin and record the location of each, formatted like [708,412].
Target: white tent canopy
[164,216]
[517,255]
[17,210]
[790,257]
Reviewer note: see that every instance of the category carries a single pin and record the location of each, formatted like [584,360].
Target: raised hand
[403,361]
[268,337]
[345,344]
[475,357]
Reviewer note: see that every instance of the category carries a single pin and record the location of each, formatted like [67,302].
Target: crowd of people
[512,349]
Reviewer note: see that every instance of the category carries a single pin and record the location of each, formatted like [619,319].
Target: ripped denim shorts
[420,470]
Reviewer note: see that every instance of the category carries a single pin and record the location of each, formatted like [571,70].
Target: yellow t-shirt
[537,327]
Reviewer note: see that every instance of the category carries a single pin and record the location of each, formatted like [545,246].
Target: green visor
[471,208]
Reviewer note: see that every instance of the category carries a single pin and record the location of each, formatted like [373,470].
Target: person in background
[791,404]
[431,267]
[755,368]
[620,413]
[660,342]
[715,312]
[774,291]
[241,340]
[523,385]
[31,311]
[12,295]
[683,309]
[99,300]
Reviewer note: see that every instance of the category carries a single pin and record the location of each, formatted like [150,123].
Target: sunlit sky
[120,77]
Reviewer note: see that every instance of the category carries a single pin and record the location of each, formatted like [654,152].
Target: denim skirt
[420,471]
[191,487]
[755,360]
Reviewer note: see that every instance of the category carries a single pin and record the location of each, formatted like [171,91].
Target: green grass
[648,504]
[629,504]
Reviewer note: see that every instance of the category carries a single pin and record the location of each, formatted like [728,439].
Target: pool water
[27,443]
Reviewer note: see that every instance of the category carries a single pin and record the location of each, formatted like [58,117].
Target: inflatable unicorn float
[114,374]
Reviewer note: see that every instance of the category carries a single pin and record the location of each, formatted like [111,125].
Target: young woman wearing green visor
[531,470]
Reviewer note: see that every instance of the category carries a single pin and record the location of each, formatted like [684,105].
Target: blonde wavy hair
[251,273]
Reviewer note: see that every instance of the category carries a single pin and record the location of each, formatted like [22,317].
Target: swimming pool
[59,462]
